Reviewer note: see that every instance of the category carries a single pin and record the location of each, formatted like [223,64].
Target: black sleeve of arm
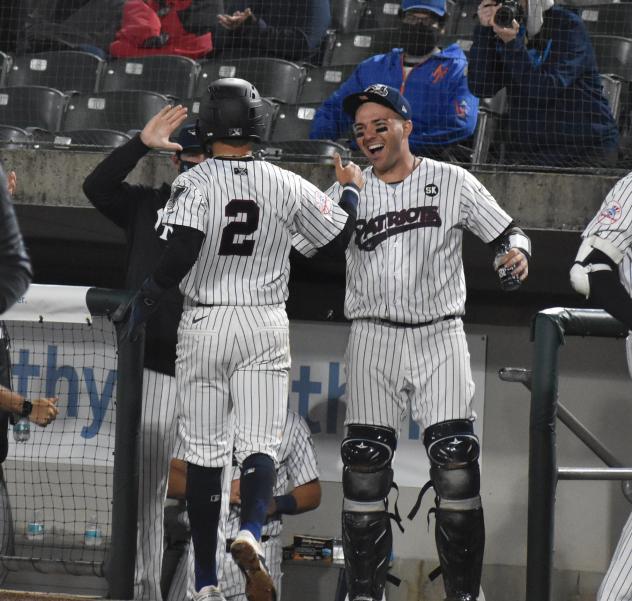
[105,187]
[179,256]
[15,267]
[349,204]
[607,291]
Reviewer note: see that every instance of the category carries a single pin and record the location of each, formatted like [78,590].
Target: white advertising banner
[77,363]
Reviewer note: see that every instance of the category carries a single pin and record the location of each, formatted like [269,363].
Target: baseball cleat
[247,553]
[208,593]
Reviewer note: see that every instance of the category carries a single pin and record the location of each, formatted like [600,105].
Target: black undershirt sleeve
[179,256]
[607,291]
[349,204]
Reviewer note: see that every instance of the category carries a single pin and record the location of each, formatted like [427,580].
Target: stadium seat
[381,14]
[170,75]
[91,139]
[273,77]
[346,14]
[614,55]
[321,151]
[462,18]
[484,137]
[608,19]
[124,110]
[293,122]
[32,106]
[66,70]
[271,108]
[613,91]
[12,138]
[5,63]
[322,82]
[352,48]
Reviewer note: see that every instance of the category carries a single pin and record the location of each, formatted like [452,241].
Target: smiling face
[382,135]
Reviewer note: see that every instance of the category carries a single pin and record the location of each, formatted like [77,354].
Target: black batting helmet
[232,110]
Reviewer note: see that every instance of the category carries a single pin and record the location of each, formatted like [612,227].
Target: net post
[122,560]
[548,337]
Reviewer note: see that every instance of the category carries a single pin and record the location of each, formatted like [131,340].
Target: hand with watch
[40,411]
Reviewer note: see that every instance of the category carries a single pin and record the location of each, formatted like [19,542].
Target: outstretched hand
[158,129]
[349,173]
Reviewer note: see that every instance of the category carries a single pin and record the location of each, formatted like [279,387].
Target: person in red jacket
[151,27]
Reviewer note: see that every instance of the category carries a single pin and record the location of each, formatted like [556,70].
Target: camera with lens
[508,11]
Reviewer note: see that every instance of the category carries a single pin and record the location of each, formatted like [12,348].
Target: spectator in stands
[151,27]
[557,113]
[15,276]
[432,79]
[289,29]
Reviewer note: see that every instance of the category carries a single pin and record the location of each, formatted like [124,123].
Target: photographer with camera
[541,54]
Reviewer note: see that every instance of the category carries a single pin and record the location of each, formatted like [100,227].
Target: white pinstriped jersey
[404,262]
[613,222]
[297,463]
[248,210]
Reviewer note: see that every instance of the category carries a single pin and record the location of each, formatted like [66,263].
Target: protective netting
[60,480]
[552,93]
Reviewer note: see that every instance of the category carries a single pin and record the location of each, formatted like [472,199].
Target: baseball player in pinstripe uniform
[298,465]
[406,296]
[602,272]
[138,209]
[233,218]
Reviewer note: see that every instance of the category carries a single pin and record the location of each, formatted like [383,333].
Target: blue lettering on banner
[334,392]
[99,401]
[304,387]
[98,404]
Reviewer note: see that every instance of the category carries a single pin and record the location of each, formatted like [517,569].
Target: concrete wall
[536,200]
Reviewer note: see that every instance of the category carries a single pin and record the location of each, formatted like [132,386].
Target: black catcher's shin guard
[367,541]
[460,538]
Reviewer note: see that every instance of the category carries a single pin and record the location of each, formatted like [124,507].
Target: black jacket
[137,210]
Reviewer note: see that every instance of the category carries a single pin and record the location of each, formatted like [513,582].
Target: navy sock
[204,497]
[257,481]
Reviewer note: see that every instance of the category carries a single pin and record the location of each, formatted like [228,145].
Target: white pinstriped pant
[387,366]
[617,583]
[157,438]
[232,360]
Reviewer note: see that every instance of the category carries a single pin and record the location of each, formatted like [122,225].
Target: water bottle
[35,527]
[92,537]
[508,281]
[22,430]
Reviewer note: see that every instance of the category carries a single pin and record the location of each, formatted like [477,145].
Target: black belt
[402,324]
[264,539]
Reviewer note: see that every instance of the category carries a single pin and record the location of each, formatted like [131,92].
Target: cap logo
[379,89]
[404,109]
[234,132]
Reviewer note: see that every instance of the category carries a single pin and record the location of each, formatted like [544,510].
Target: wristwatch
[27,407]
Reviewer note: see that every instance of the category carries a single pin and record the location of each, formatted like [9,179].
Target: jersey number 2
[244,248]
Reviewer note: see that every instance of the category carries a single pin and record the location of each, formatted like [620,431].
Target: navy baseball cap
[380,94]
[438,7]
[187,138]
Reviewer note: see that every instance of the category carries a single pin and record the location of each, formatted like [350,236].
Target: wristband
[286,504]
[27,407]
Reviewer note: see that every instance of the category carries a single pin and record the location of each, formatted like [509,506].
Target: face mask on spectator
[418,39]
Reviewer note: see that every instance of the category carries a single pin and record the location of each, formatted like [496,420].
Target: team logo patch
[171,203]
[234,132]
[431,190]
[240,170]
[611,213]
[323,204]
[377,88]
[371,233]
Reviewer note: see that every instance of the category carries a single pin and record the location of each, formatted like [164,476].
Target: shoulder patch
[176,191]
[611,213]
